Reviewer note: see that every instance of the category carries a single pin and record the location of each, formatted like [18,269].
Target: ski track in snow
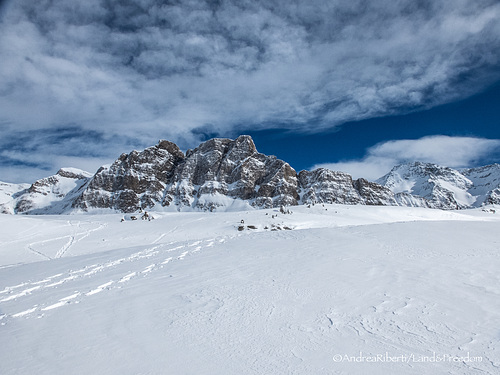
[74,238]
[16,293]
[274,320]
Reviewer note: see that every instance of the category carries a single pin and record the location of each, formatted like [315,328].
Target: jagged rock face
[326,186]
[75,174]
[225,173]
[8,194]
[429,185]
[374,194]
[440,187]
[133,182]
[210,176]
[493,197]
[222,167]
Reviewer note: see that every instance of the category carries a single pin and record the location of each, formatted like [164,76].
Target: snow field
[204,298]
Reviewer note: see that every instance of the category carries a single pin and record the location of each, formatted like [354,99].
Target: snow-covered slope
[54,194]
[435,186]
[8,193]
[486,183]
[189,293]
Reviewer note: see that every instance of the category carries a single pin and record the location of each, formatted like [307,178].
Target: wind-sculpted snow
[188,293]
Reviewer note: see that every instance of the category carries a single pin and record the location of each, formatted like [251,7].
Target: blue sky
[354,85]
[475,120]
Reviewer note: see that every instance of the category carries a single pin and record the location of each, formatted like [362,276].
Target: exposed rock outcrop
[133,182]
[210,176]
[223,174]
[326,186]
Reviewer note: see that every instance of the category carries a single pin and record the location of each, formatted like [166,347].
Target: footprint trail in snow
[34,298]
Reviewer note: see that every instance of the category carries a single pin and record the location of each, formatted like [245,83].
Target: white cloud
[142,70]
[179,67]
[454,152]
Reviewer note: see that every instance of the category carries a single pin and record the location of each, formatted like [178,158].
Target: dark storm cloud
[146,69]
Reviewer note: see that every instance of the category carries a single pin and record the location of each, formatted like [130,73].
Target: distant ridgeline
[225,174]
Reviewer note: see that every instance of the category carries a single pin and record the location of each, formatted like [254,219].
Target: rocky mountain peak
[171,148]
[73,173]
[134,181]
[226,174]
[233,169]
[53,194]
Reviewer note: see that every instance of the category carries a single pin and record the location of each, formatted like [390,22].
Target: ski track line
[182,256]
[21,294]
[149,268]
[9,289]
[25,312]
[73,298]
[72,240]
[89,270]
[65,248]
[159,238]
[38,252]
[164,234]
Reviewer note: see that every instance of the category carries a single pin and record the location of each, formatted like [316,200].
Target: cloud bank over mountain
[455,152]
[139,70]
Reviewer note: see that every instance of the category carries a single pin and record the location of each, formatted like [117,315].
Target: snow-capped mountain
[430,185]
[220,173]
[227,175]
[8,192]
[486,182]
[50,195]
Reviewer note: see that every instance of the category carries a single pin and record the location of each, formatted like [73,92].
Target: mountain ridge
[443,187]
[224,174]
